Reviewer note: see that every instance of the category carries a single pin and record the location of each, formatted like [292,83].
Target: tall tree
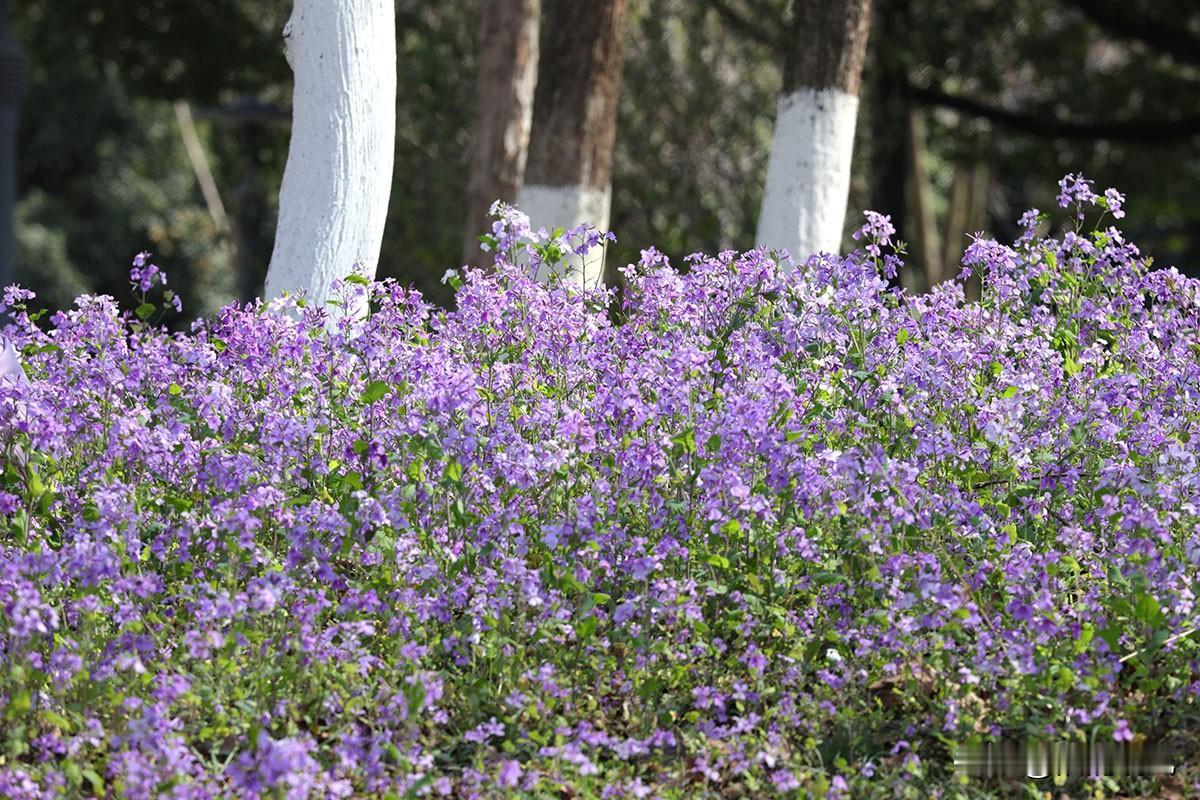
[334,197]
[568,179]
[508,55]
[808,174]
[11,66]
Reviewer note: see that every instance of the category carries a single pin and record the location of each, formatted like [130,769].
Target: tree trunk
[251,212]
[334,198]
[966,215]
[568,179]
[924,253]
[508,57]
[808,173]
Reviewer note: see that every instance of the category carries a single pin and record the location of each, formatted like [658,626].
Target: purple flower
[510,773]
[10,364]
[144,276]
[1075,189]
[484,731]
[877,230]
[784,780]
[1114,201]
[755,507]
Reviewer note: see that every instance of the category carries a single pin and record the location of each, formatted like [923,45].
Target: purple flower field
[738,532]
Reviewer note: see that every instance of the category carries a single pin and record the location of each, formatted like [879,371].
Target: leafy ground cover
[741,532]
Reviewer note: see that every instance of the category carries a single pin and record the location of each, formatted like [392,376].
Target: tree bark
[966,215]
[888,112]
[568,178]
[251,219]
[808,173]
[508,57]
[334,197]
[923,230]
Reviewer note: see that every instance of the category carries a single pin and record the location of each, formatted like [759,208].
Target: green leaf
[686,440]
[650,688]
[352,481]
[1117,578]
[902,336]
[1148,611]
[95,780]
[414,471]
[827,578]
[36,487]
[1112,636]
[1079,434]
[374,391]
[19,704]
[1086,632]
[57,720]
[358,279]
[414,693]
[145,311]
[179,502]
[174,390]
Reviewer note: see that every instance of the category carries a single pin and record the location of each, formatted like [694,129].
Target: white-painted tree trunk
[507,63]
[334,198]
[808,173]
[568,178]
[567,207]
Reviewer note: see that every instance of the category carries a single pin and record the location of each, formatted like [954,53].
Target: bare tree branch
[1048,127]
[199,161]
[1129,21]
[748,26]
[245,111]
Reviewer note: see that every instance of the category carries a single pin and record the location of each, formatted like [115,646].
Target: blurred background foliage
[971,112]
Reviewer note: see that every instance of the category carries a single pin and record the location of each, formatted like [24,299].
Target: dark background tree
[507,59]
[970,112]
[568,180]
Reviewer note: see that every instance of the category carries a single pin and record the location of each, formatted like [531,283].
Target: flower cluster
[1077,190]
[144,277]
[754,532]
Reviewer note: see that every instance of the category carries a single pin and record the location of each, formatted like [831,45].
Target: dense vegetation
[103,173]
[742,532]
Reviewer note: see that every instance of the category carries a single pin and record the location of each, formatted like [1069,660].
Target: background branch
[1052,128]
[763,34]
[1130,21]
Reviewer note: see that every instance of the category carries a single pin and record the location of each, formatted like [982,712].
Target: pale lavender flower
[11,370]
